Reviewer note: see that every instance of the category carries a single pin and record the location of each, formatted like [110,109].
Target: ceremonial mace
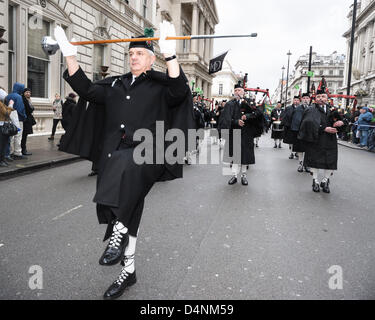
[50,46]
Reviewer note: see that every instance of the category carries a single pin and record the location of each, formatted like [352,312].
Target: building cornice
[361,17]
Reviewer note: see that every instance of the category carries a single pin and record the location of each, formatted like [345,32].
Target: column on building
[205,89]
[212,44]
[207,45]
[194,28]
[367,48]
[201,31]
[209,91]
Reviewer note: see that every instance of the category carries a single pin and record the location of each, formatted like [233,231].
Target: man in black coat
[109,130]
[241,114]
[68,109]
[277,129]
[319,128]
[298,146]
[29,122]
[289,136]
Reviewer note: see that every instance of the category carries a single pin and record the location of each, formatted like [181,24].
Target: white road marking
[67,212]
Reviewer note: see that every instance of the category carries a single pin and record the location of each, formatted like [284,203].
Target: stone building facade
[27,21]
[363,70]
[224,82]
[330,66]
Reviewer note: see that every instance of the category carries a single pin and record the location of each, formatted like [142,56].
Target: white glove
[66,47]
[167,47]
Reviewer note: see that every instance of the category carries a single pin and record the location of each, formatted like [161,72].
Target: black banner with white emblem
[216,64]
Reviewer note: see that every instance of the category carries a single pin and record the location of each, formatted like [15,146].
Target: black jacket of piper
[321,147]
[117,109]
[253,127]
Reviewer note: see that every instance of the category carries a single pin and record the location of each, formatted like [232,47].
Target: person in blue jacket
[15,141]
[364,123]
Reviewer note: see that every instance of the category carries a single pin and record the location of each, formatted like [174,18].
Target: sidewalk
[45,154]
[351,145]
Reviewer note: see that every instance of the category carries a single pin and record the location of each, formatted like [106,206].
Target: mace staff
[50,46]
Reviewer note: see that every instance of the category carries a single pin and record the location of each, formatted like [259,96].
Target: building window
[330,84]
[221,89]
[37,61]
[341,73]
[98,62]
[321,72]
[144,8]
[340,84]
[12,49]
[331,72]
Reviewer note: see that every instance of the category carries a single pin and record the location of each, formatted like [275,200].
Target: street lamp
[287,77]
[282,84]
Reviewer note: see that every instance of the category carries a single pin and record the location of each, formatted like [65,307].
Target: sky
[282,25]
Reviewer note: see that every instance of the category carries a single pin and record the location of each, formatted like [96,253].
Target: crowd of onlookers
[16,108]
[359,127]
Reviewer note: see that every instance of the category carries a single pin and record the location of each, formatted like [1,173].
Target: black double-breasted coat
[104,130]
[231,115]
[320,147]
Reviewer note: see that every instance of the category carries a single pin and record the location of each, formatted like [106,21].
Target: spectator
[15,150]
[67,110]
[4,116]
[57,116]
[364,123]
[29,122]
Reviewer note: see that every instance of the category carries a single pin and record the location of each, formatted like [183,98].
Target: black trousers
[55,123]
[3,145]
[24,141]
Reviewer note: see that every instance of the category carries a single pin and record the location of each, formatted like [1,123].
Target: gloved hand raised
[167,47]
[66,47]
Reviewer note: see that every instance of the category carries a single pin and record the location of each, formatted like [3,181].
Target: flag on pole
[310,74]
[216,64]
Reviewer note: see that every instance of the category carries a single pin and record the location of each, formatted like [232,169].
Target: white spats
[327,175]
[315,174]
[129,255]
[120,228]
[129,263]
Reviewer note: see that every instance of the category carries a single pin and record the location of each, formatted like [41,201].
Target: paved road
[199,238]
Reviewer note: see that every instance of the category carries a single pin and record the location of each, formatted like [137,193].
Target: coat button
[122,126]
[127,97]
[109,155]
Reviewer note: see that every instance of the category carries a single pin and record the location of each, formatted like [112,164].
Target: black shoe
[26,153]
[9,159]
[325,186]
[257,145]
[315,186]
[3,164]
[300,168]
[275,147]
[244,181]
[51,138]
[291,157]
[15,157]
[280,146]
[115,250]
[232,181]
[117,288]
[307,169]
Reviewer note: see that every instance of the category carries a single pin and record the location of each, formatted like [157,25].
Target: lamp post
[287,77]
[351,50]
[282,84]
